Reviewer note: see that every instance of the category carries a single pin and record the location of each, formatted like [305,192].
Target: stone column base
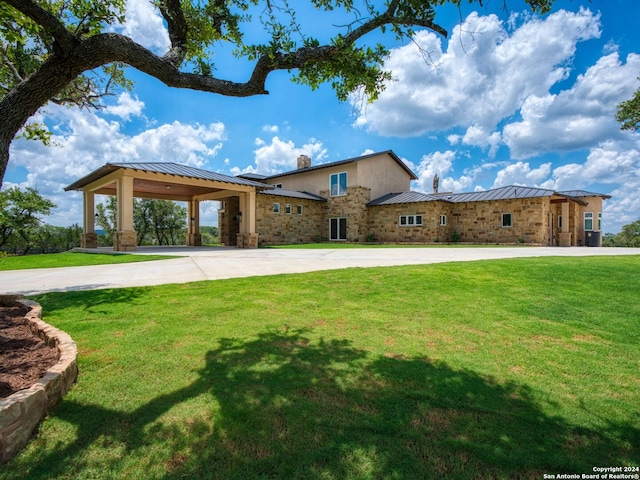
[194,240]
[125,241]
[565,239]
[89,240]
[247,240]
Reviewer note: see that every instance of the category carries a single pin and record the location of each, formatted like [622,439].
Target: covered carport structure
[164,181]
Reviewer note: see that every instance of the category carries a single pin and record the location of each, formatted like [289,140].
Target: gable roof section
[168,168]
[341,162]
[281,192]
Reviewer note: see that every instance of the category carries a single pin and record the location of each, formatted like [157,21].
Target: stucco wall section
[21,412]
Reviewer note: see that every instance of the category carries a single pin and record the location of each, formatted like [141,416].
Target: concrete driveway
[206,263]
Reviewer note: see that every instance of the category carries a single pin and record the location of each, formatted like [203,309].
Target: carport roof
[168,168]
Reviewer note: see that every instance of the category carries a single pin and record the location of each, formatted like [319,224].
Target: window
[443,220]
[278,185]
[560,222]
[287,209]
[410,220]
[338,183]
[299,209]
[276,208]
[588,221]
[599,221]
[338,229]
[506,219]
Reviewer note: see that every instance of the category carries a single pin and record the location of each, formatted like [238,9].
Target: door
[338,229]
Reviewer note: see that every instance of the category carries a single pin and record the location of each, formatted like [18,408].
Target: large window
[338,184]
[338,229]
[410,220]
[506,220]
[588,221]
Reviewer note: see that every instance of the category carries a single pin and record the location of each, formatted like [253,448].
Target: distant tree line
[628,237]
[21,227]
[22,231]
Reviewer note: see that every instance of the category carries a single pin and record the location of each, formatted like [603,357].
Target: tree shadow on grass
[89,300]
[283,406]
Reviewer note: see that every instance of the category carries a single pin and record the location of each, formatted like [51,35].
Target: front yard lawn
[493,369]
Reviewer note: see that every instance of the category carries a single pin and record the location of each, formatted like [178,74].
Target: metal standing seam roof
[503,193]
[168,168]
[404,197]
[582,193]
[293,194]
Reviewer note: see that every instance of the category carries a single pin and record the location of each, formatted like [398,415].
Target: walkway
[196,264]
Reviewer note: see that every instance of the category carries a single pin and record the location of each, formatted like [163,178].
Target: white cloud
[522,174]
[271,128]
[279,156]
[126,107]
[84,141]
[484,76]
[577,118]
[144,24]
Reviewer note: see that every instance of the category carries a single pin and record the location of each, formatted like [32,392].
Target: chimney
[304,161]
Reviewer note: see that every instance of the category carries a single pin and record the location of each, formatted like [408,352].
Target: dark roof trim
[281,192]
[168,168]
[397,159]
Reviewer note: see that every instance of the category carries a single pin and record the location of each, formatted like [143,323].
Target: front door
[338,229]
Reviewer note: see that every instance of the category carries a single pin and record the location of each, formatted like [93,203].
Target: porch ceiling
[143,188]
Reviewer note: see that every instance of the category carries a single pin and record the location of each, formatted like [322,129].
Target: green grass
[71,259]
[494,369]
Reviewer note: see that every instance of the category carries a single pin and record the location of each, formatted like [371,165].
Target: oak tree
[70,52]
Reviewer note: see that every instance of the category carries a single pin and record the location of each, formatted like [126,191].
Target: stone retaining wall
[21,412]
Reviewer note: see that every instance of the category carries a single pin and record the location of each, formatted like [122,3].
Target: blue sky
[507,98]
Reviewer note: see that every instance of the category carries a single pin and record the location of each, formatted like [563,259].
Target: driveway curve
[215,263]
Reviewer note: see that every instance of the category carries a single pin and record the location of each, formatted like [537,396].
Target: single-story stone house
[367,198]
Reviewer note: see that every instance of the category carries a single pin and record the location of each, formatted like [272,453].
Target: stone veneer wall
[283,228]
[481,222]
[384,222]
[21,412]
[353,207]
[478,222]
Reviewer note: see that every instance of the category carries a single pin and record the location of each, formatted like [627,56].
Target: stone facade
[377,205]
[285,228]
[384,223]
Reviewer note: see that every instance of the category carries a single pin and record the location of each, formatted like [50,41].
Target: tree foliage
[20,217]
[69,51]
[629,113]
[157,222]
[629,236]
